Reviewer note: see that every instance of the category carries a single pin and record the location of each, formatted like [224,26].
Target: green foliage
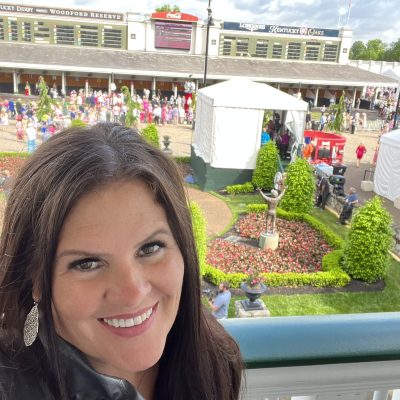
[5,154]
[77,123]
[199,232]
[256,208]
[358,50]
[375,49]
[300,187]
[339,110]
[369,240]
[150,134]
[267,166]
[243,188]
[130,118]
[168,8]
[44,109]
[182,159]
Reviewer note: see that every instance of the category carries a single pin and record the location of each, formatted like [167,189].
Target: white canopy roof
[244,93]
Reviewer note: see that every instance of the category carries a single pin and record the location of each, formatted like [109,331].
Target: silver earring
[31,326]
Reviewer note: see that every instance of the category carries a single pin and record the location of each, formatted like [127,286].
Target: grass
[330,303]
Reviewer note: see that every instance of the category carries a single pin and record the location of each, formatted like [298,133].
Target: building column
[153,87]
[15,81]
[353,101]
[279,86]
[132,89]
[316,97]
[197,85]
[175,89]
[63,87]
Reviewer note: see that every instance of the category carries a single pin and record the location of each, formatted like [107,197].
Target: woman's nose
[128,284]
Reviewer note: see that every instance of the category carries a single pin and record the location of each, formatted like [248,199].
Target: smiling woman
[100,290]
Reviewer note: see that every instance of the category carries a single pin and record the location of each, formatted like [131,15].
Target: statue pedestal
[268,241]
[240,312]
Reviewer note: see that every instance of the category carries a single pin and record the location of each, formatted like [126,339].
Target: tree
[150,134]
[130,118]
[339,110]
[44,109]
[168,8]
[370,237]
[358,51]
[375,49]
[392,53]
[300,187]
[267,166]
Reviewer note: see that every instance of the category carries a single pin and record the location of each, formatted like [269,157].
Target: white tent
[229,117]
[387,171]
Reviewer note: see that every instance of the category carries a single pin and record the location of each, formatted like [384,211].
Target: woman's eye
[150,249]
[85,265]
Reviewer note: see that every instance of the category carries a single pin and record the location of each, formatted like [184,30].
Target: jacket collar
[84,383]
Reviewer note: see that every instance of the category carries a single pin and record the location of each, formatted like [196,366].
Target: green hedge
[13,154]
[241,188]
[150,134]
[199,232]
[331,274]
[182,159]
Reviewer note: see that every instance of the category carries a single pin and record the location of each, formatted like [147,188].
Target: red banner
[174,16]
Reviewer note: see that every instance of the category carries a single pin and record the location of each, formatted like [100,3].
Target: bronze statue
[272,206]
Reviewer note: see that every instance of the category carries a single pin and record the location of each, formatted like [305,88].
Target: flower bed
[300,249]
[12,161]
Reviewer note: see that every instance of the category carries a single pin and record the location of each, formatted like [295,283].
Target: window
[89,36]
[312,51]
[133,35]
[226,46]
[26,32]
[277,50]
[1,29]
[13,31]
[242,47]
[330,52]
[293,51]
[112,38]
[261,48]
[64,34]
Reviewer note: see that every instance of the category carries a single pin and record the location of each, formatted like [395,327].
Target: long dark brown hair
[200,361]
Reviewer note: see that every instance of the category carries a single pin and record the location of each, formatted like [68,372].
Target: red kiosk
[329,147]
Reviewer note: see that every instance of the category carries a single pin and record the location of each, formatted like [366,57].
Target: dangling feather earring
[31,326]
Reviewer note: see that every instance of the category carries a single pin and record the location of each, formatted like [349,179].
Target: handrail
[313,340]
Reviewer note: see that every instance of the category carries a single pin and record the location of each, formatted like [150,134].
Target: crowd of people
[91,107]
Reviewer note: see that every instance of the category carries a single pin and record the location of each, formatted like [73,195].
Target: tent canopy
[243,93]
[387,172]
[229,121]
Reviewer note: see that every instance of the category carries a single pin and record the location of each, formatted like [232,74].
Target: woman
[360,151]
[97,240]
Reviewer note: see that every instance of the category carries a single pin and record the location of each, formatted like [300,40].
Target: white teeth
[127,323]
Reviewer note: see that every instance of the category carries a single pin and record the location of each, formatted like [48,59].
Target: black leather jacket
[83,383]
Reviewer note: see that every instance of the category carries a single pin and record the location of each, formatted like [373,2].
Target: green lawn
[332,303]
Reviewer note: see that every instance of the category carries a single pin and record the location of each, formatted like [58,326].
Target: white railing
[341,357]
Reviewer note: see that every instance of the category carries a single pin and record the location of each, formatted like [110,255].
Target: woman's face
[117,279]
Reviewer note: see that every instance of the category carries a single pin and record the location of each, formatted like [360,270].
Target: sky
[369,19]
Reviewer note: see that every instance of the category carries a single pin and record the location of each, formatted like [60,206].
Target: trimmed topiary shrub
[199,232]
[300,187]
[238,189]
[77,123]
[150,134]
[369,240]
[266,167]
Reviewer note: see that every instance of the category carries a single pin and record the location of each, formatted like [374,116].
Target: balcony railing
[342,357]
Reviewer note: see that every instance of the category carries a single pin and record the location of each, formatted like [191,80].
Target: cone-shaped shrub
[300,187]
[150,133]
[368,243]
[266,167]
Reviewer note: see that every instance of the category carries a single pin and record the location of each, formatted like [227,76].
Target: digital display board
[173,35]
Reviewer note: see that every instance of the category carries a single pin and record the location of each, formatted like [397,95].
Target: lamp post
[209,19]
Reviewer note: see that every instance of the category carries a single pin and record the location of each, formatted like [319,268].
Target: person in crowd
[220,305]
[360,151]
[284,140]
[347,210]
[265,138]
[323,193]
[3,119]
[6,182]
[31,134]
[99,301]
